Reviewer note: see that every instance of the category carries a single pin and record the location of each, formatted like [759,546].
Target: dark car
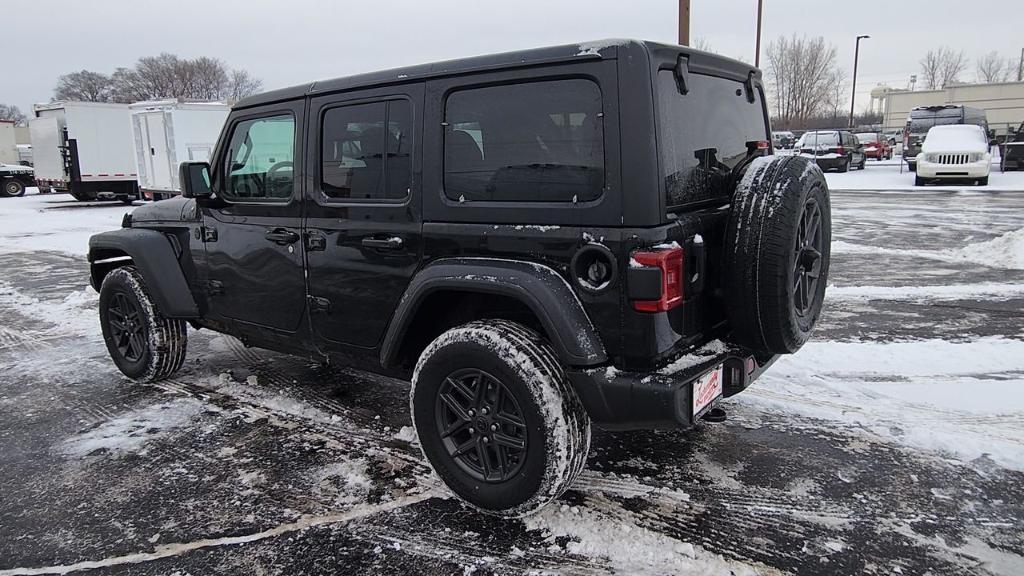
[1013,152]
[832,149]
[783,139]
[536,240]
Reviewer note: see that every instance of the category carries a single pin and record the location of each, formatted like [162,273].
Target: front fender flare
[537,286]
[151,252]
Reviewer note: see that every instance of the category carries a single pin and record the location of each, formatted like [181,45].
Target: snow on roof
[955,138]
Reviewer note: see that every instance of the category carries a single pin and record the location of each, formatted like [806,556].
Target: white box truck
[84,148]
[169,132]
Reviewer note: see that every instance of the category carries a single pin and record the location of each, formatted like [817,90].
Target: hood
[955,138]
[16,168]
[172,209]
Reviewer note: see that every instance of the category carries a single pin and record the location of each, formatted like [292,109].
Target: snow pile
[129,432]
[1005,251]
[955,138]
[629,548]
[74,315]
[346,479]
[961,399]
[406,434]
[55,222]
[985,291]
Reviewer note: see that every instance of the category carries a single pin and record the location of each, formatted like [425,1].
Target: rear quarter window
[704,135]
[530,142]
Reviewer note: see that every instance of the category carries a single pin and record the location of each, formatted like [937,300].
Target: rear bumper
[617,400]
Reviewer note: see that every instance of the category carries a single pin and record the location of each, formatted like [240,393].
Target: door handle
[393,243]
[282,236]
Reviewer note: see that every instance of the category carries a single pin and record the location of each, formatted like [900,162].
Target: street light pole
[856,57]
[684,22]
[757,50]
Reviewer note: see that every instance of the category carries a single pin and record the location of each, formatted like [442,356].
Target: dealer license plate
[706,389]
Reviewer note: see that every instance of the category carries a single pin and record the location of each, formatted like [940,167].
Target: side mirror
[195,179]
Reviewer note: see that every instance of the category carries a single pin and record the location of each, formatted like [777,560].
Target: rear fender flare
[539,287]
[154,256]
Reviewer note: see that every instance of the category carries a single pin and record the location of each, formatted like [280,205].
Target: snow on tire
[537,418]
[144,345]
[777,253]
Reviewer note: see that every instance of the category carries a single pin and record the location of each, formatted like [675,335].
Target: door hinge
[315,241]
[206,234]
[215,287]
[319,304]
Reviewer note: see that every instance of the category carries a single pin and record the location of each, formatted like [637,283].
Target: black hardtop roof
[596,50]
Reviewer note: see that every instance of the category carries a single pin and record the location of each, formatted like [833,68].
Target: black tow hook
[716,414]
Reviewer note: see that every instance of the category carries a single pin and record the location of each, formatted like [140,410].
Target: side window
[260,160]
[366,151]
[531,142]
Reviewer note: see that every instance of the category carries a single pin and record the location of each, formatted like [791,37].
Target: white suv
[959,151]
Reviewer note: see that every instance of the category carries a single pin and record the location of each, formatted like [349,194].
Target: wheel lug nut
[472,431]
[486,439]
[485,411]
[494,427]
[472,412]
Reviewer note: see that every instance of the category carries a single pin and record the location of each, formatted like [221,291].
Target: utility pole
[684,22]
[856,57]
[1020,66]
[757,50]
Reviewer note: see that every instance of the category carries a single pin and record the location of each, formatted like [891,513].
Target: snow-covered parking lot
[893,443]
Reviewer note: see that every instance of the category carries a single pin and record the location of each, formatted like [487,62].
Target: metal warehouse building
[1003,103]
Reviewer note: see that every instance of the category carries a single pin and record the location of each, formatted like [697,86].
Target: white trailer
[8,143]
[168,132]
[84,148]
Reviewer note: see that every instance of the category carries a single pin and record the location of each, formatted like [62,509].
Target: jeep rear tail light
[670,262]
[840,150]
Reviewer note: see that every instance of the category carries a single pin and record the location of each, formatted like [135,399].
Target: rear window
[704,135]
[530,142]
[867,138]
[812,139]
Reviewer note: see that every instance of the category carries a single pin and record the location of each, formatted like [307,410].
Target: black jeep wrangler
[536,240]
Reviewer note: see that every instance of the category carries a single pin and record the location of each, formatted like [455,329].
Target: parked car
[954,152]
[783,139]
[1013,152]
[922,118]
[14,178]
[485,228]
[832,149]
[875,145]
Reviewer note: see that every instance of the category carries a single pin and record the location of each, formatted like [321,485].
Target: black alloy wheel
[807,258]
[481,424]
[127,327]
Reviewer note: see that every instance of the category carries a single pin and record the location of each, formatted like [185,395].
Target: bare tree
[162,76]
[83,86]
[242,84]
[942,67]
[802,74]
[701,43]
[11,112]
[837,95]
[994,68]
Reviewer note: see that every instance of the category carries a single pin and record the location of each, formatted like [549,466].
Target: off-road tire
[12,188]
[918,181]
[557,428]
[160,345]
[766,262]
[845,167]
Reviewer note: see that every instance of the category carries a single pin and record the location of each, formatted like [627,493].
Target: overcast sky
[294,41]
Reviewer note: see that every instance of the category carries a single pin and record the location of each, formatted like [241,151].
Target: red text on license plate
[706,389]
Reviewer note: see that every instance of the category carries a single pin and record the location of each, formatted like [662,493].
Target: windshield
[867,138]
[704,135]
[921,125]
[819,139]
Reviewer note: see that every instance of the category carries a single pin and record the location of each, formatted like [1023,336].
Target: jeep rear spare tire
[497,418]
[777,254]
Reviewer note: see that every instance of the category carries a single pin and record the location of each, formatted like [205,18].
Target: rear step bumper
[618,400]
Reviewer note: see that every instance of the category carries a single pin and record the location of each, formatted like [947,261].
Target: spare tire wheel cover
[777,254]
